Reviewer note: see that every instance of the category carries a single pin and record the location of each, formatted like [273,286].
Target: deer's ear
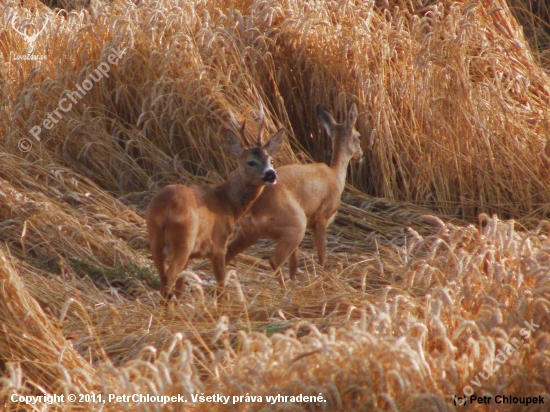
[274,144]
[352,114]
[325,118]
[234,145]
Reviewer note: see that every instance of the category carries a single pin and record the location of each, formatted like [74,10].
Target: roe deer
[306,196]
[189,222]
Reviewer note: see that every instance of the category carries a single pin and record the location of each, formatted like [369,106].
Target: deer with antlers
[305,197]
[195,222]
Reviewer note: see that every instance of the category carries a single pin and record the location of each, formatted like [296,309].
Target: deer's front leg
[218,267]
[320,240]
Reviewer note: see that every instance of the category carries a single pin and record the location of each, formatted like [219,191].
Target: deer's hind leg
[181,245]
[156,242]
[288,236]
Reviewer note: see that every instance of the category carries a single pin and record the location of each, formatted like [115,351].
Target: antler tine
[239,128]
[243,135]
[261,117]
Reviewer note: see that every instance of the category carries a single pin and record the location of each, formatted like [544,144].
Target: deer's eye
[271,161]
[251,164]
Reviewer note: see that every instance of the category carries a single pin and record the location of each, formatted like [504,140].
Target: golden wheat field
[436,291]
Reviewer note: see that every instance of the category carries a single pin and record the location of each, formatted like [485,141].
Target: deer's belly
[202,250]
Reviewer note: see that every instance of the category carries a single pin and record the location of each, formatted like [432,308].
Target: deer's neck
[241,194]
[339,165]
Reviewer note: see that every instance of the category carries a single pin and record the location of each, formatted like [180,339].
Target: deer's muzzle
[270,177]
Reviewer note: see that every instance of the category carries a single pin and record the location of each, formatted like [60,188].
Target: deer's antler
[261,118]
[241,129]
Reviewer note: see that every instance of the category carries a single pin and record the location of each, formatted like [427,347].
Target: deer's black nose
[270,177]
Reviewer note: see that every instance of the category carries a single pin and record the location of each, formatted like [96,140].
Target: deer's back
[312,187]
[183,206]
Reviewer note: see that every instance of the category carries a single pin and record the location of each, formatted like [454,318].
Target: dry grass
[456,82]
[419,293]
[534,17]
